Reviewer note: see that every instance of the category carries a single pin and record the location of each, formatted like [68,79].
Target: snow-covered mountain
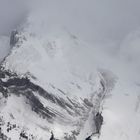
[72,72]
[46,88]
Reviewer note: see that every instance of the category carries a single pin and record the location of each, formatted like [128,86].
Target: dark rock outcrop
[98,122]
[14,38]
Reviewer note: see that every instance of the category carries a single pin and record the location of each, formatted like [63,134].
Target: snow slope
[62,66]
[49,84]
[121,113]
[52,81]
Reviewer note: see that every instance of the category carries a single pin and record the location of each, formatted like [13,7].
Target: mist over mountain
[102,24]
[69,69]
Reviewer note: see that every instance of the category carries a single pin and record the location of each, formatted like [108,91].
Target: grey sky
[95,19]
[92,19]
[11,14]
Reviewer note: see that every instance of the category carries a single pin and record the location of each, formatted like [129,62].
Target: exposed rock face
[98,122]
[88,138]
[52,136]
[14,38]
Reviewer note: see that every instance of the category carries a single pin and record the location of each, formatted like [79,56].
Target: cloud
[93,20]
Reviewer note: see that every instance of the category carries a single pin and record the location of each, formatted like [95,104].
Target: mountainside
[69,70]
[44,89]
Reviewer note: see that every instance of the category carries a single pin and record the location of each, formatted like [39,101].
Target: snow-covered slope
[122,112]
[48,84]
[55,61]
[55,86]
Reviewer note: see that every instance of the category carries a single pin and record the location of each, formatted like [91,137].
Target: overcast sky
[93,19]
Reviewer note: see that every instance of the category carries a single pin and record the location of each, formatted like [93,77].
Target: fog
[12,14]
[112,26]
[93,20]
